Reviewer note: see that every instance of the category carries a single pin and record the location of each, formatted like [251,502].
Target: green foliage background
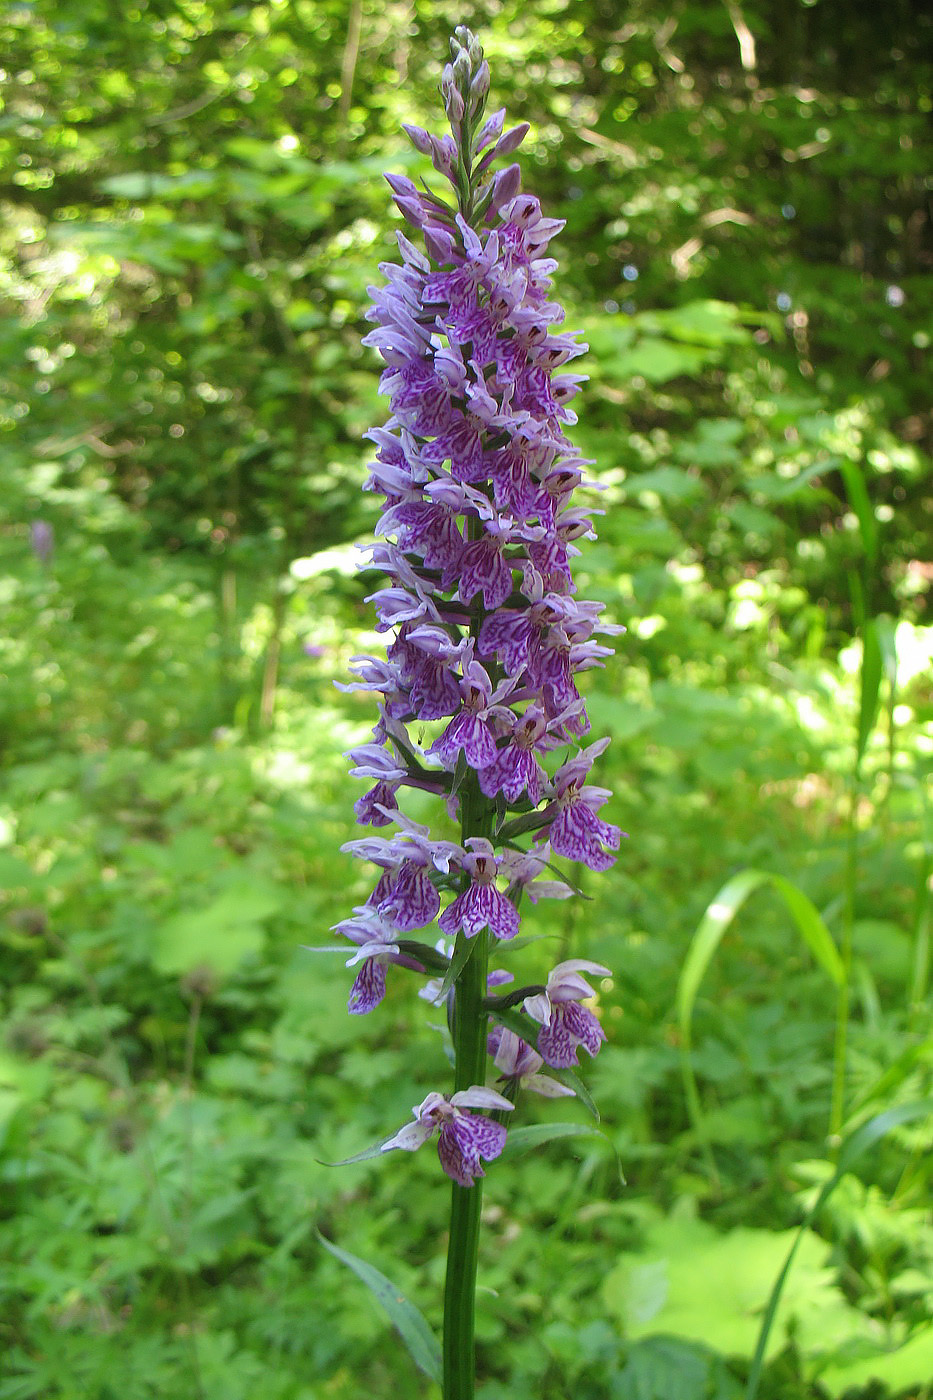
[191,208]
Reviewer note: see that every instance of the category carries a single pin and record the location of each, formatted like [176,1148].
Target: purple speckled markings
[485,638]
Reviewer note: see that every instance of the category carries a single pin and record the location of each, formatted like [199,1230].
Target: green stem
[843,1001]
[477,818]
[469,1036]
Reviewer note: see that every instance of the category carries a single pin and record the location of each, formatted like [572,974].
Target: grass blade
[408,1321]
[859,500]
[869,687]
[709,933]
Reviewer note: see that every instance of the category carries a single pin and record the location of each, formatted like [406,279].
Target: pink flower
[565,1023]
[464,1137]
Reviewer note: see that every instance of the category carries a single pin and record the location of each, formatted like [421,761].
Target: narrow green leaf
[869,686]
[855,1145]
[858,497]
[514,996]
[424,953]
[365,1156]
[887,641]
[574,1082]
[532,1135]
[921,936]
[462,954]
[719,914]
[518,1021]
[709,933]
[810,923]
[408,1321]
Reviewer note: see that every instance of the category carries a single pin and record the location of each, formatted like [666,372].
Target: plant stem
[477,818]
[469,1035]
[844,997]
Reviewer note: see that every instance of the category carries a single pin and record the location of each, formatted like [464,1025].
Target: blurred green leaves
[192,209]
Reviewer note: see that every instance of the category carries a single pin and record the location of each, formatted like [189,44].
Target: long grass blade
[869,687]
[709,933]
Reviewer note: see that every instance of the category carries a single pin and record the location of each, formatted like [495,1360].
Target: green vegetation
[192,207]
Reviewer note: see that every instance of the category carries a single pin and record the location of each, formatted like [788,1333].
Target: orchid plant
[485,640]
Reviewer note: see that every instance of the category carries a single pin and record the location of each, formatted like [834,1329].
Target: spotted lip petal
[466,1139]
[571,1025]
[368,988]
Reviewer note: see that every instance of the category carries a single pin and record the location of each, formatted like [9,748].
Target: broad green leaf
[854,1147]
[752,519]
[670,483]
[904,1368]
[691,1281]
[783,488]
[623,718]
[657,360]
[405,1317]
[144,184]
[218,936]
[712,323]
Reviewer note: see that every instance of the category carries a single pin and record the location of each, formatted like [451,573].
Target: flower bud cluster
[485,636]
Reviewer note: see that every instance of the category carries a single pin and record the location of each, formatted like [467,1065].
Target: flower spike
[485,637]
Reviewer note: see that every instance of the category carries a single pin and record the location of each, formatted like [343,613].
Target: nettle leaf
[665,1368]
[656,1291]
[221,934]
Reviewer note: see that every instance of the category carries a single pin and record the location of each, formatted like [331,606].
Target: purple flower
[485,637]
[519,1064]
[470,730]
[565,1023]
[406,893]
[480,905]
[522,869]
[377,947]
[576,831]
[42,539]
[373,761]
[515,769]
[465,1138]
